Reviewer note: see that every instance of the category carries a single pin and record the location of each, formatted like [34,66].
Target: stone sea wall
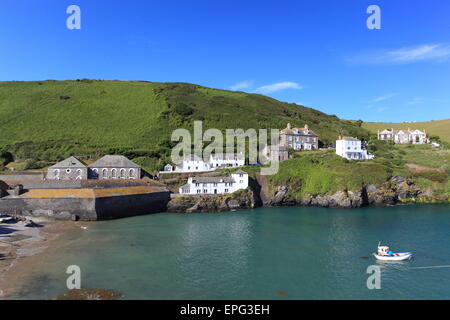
[86,208]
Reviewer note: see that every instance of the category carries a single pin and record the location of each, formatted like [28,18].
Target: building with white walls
[352,149]
[215,185]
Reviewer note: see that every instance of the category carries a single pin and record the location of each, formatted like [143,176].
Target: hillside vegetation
[439,128]
[43,122]
[313,173]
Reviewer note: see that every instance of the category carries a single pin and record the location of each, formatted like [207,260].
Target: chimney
[289,126]
[306,126]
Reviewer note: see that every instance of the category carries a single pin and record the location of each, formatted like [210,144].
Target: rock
[242,199]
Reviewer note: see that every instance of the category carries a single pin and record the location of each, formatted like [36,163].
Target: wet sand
[23,250]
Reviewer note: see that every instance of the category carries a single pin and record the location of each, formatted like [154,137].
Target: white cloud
[242,85]
[426,52]
[383,98]
[415,101]
[274,87]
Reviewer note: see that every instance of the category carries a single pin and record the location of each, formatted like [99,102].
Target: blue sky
[313,52]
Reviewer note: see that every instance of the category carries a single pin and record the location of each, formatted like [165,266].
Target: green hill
[439,128]
[49,120]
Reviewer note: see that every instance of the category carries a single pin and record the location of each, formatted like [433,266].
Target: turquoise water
[266,253]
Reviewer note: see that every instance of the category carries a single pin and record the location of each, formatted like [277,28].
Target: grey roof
[212,179]
[113,162]
[350,139]
[240,172]
[71,162]
[228,156]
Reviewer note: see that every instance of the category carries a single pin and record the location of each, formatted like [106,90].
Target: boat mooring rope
[430,267]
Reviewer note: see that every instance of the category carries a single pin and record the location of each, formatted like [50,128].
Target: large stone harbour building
[68,169]
[108,167]
[299,138]
[114,167]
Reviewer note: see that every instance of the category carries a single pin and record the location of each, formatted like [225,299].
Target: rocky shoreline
[396,190]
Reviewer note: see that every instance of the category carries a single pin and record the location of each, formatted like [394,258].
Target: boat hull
[394,257]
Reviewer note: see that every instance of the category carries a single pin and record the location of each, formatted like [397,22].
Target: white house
[194,163]
[403,136]
[215,185]
[352,149]
[226,160]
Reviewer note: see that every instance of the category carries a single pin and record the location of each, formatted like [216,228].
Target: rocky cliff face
[395,190]
[243,199]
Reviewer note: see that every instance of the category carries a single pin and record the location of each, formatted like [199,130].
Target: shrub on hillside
[183,109]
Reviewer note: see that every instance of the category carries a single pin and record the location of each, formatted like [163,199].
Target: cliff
[396,190]
[242,199]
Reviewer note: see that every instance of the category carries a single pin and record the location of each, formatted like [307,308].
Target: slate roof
[298,131]
[228,156]
[71,162]
[350,139]
[212,179]
[113,162]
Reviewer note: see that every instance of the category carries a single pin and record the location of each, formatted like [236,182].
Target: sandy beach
[23,249]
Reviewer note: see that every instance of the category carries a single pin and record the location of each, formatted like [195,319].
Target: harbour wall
[87,204]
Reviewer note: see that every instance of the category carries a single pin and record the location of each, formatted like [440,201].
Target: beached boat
[385,254]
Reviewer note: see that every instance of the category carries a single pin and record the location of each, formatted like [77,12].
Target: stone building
[403,136]
[299,138]
[68,169]
[114,167]
[275,154]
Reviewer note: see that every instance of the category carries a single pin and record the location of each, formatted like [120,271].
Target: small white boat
[385,254]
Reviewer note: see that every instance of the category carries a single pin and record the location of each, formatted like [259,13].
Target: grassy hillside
[324,172]
[440,128]
[43,122]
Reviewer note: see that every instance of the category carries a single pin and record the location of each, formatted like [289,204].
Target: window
[205,191]
[132,174]
[226,190]
[114,173]
[241,181]
[122,173]
[104,173]
[56,173]
[215,184]
[68,171]
[197,184]
[198,190]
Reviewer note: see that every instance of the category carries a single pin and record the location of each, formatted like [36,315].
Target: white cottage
[194,163]
[403,136]
[352,149]
[215,185]
[226,160]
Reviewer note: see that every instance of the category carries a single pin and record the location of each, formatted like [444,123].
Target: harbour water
[265,253]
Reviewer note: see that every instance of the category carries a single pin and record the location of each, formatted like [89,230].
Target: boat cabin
[383,250]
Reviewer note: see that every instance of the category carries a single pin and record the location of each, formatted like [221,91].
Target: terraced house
[403,136]
[215,185]
[299,138]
